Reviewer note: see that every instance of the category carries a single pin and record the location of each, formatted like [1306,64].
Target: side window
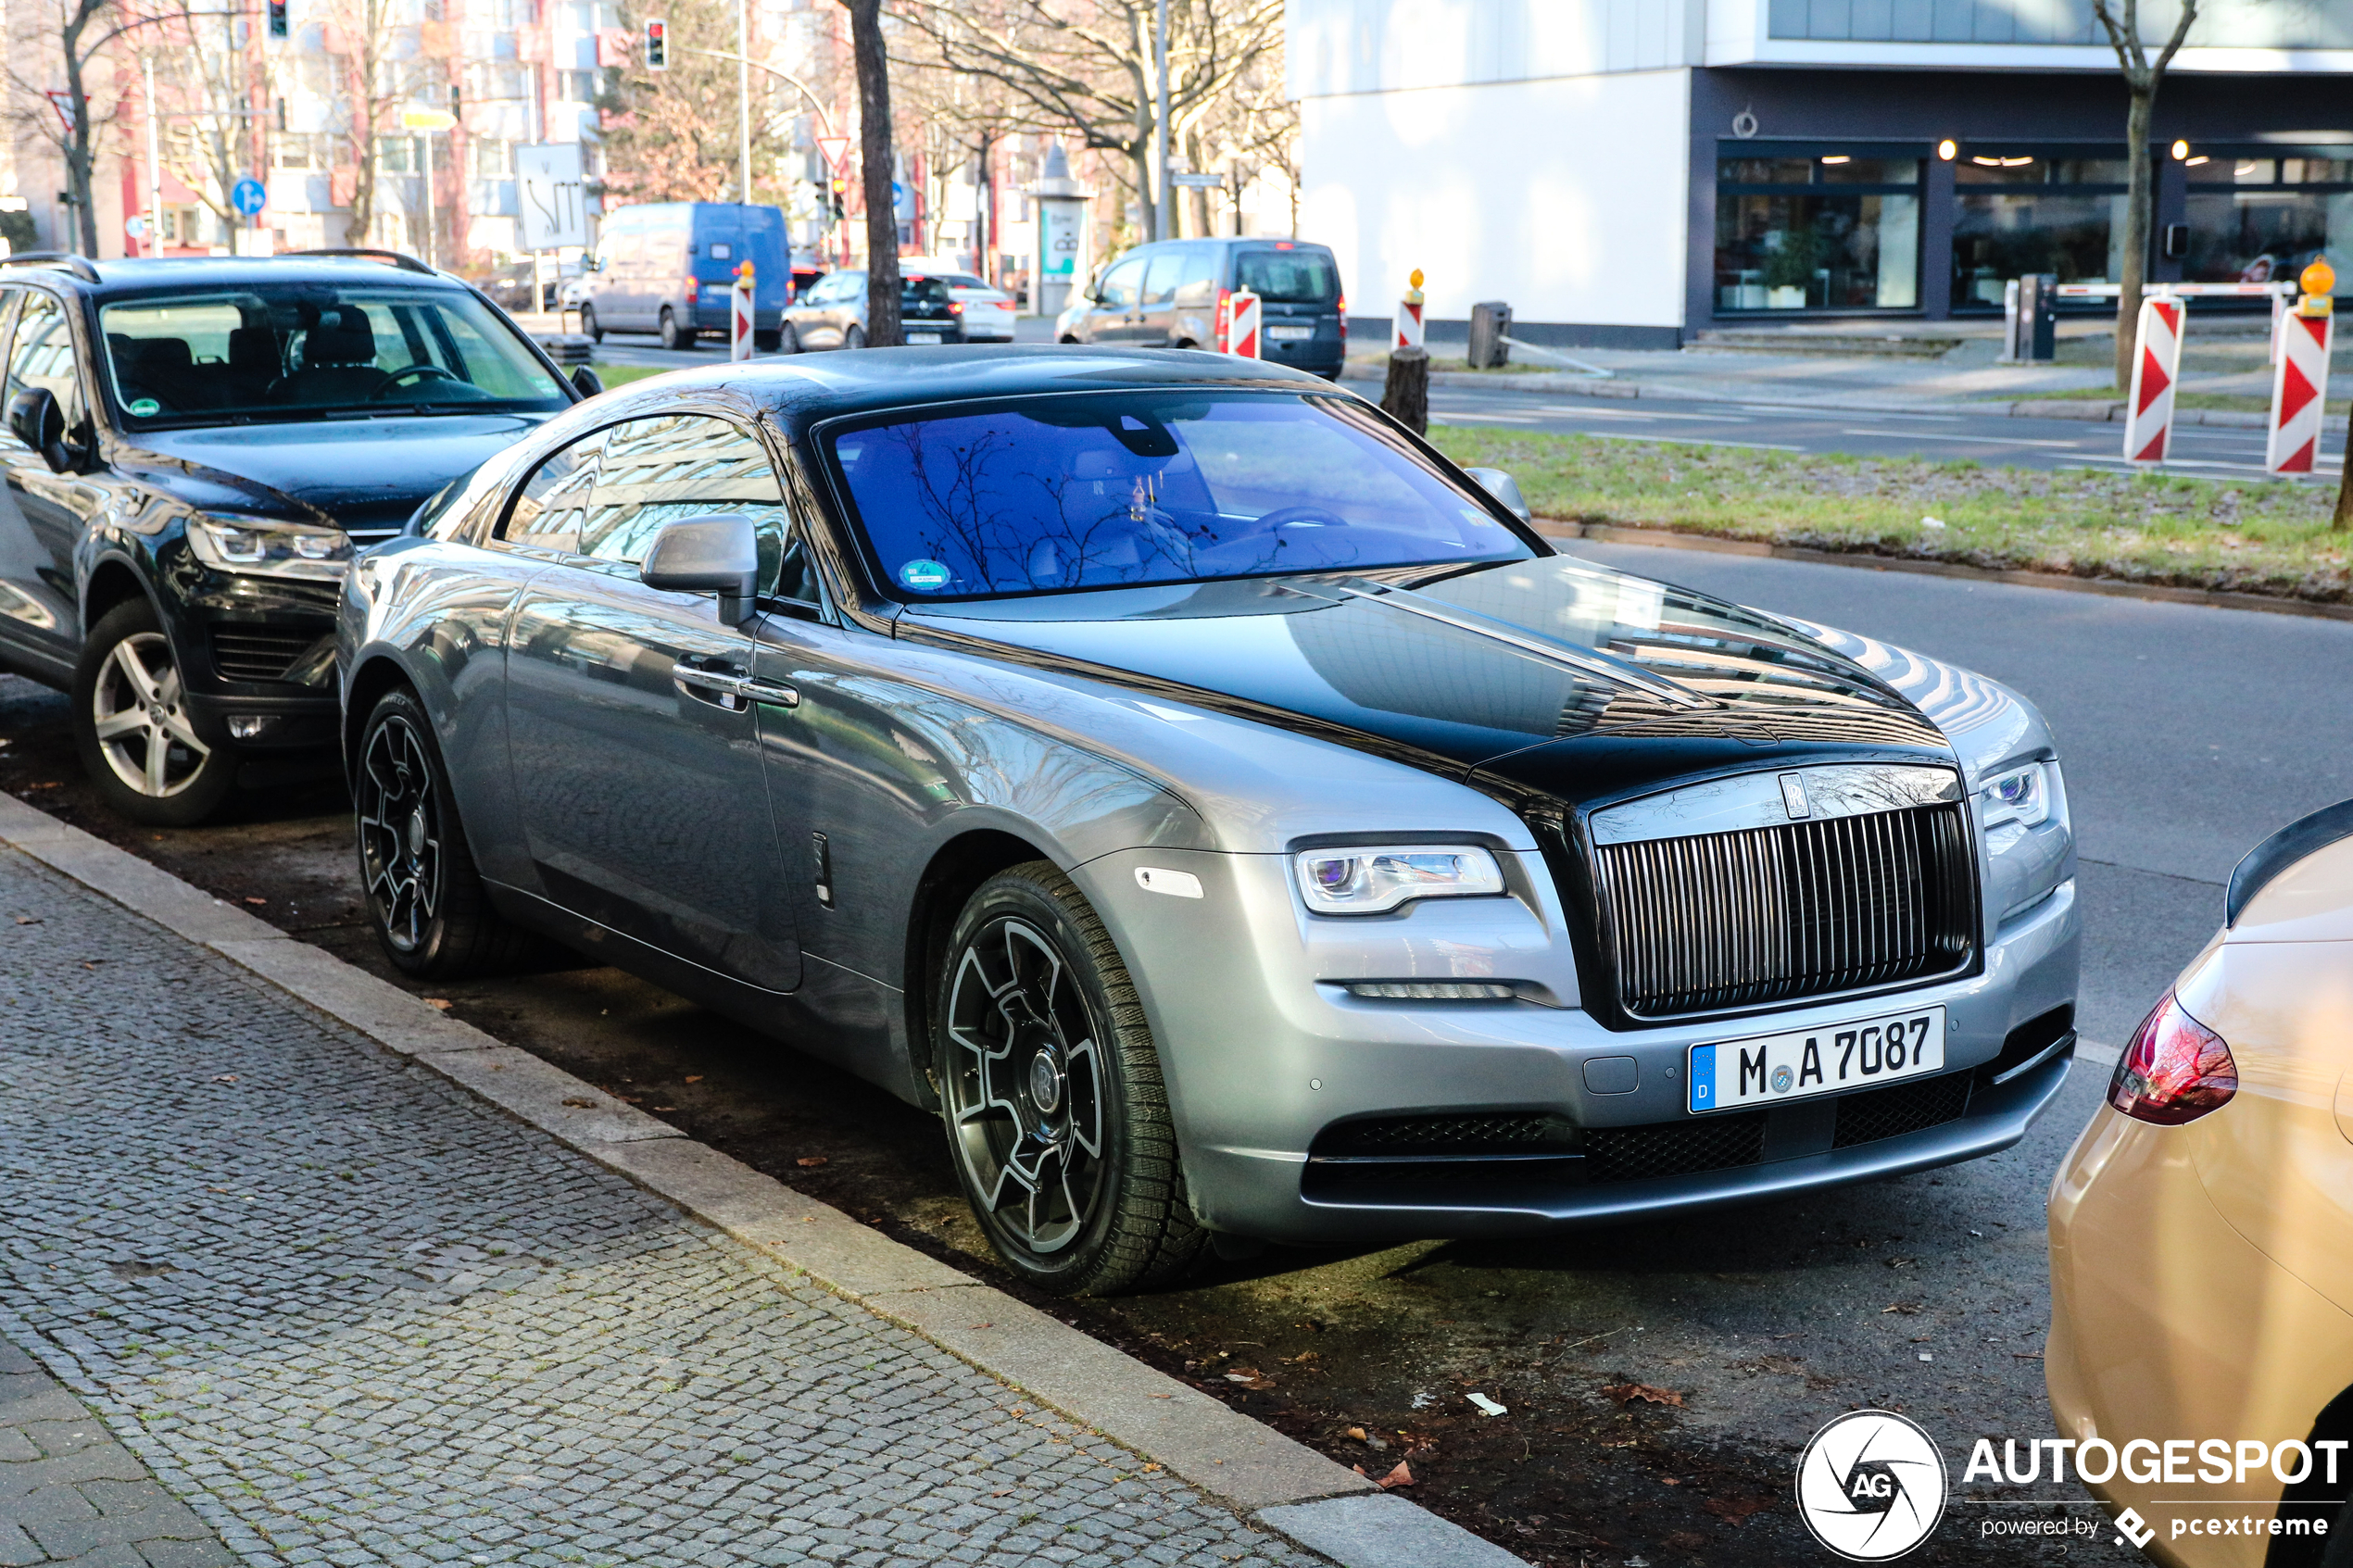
[1161,279]
[660,469]
[41,355]
[551,509]
[1121,285]
[1198,283]
[11,299]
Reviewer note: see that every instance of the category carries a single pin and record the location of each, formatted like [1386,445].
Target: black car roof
[800,389]
[140,274]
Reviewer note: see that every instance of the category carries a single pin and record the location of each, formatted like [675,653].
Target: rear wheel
[673,337]
[1050,1088]
[138,737]
[588,323]
[426,901]
[855,338]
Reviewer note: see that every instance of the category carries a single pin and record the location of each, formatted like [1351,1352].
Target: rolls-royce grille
[1805,909]
[256,655]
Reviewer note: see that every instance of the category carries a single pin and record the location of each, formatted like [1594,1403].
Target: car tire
[425,898]
[673,336]
[855,338]
[1072,1166]
[787,339]
[1066,338]
[588,323]
[140,743]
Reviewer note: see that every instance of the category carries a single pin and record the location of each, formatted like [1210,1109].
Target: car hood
[1548,677]
[363,474]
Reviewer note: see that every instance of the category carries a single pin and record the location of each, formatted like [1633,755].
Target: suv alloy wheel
[132,725]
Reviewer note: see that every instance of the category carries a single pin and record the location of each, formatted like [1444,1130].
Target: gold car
[2202,1236]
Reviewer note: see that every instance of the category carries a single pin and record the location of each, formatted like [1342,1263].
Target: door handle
[733,689]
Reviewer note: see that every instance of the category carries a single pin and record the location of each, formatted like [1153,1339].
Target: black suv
[194,450]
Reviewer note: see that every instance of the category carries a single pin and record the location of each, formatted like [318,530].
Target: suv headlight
[267,547]
[1373,880]
[2020,796]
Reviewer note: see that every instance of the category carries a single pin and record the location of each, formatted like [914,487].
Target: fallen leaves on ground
[580,1100]
[1626,1393]
[694,1077]
[811,1162]
[439,1004]
[255,899]
[224,1077]
[1249,1377]
[1907,1307]
[1735,1511]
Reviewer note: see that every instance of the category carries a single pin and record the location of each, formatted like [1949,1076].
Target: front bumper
[1277,1052]
[256,649]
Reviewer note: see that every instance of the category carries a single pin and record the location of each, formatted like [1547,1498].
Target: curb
[2095,410]
[1281,1485]
[1667,538]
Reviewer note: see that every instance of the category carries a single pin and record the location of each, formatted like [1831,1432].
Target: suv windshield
[1112,490]
[274,351]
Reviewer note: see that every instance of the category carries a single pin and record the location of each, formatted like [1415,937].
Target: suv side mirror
[1505,488]
[698,554]
[35,420]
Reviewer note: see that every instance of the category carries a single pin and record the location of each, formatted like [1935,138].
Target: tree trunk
[2343,520]
[2137,204]
[76,143]
[874,172]
[1405,394]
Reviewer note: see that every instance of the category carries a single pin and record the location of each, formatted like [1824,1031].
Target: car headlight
[1373,880]
[267,547]
[2020,796]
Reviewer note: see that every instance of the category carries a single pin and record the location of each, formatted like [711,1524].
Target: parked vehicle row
[1177,294]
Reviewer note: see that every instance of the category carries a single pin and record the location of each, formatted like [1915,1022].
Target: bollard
[1409,325]
[1405,394]
[2156,360]
[1238,320]
[1491,323]
[2300,381]
[739,314]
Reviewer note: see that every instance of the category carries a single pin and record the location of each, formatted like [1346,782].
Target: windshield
[1112,490]
[278,351]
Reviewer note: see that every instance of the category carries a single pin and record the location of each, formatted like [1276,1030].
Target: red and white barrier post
[2300,381]
[1409,325]
[1237,316]
[739,314]
[2157,361]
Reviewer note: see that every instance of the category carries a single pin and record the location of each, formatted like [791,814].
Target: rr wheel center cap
[1045,1082]
[416,831]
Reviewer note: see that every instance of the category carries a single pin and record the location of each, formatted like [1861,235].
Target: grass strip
[622,375]
[2227,535]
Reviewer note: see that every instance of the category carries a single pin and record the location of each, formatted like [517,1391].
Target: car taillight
[2175,1071]
[955,307]
[1344,320]
[1224,325]
[692,288]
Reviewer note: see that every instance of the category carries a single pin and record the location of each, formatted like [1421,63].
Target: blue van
[667,268]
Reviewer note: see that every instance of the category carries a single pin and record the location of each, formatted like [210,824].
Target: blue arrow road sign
[248,197]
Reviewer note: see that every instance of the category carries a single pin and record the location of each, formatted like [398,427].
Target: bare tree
[1086,67]
[82,31]
[198,53]
[377,79]
[875,171]
[2142,79]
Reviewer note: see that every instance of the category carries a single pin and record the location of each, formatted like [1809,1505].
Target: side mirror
[592,264]
[588,381]
[697,555]
[1505,488]
[35,420]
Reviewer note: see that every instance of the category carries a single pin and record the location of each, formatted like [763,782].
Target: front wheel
[137,735]
[425,898]
[855,338]
[588,323]
[787,339]
[1050,1088]
[673,337]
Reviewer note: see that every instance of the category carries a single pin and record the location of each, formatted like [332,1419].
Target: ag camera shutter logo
[1871,1485]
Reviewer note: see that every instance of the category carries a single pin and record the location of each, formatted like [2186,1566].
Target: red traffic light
[657,45]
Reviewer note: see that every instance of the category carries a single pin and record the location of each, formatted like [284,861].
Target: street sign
[833,149]
[554,210]
[135,226]
[248,195]
[63,103]
[427,119]
[1198,182]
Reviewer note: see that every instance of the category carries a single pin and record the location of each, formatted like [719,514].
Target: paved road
[2213,453]
[347,1314]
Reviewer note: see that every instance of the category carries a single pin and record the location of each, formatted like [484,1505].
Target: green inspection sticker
[924,574]
[147,406]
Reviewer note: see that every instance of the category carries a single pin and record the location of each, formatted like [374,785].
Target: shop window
[2256,218]
[2025,209]
[1824,230]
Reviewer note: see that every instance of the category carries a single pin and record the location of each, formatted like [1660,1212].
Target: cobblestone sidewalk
[347,1314]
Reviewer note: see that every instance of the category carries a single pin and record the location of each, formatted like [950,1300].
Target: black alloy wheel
[425,898]
[139,741]
[588,322]
[673,337]
[1056,1113]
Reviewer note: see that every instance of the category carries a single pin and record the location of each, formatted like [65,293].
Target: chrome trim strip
[1759,800]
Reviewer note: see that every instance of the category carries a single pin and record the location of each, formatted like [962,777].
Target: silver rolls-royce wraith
[1236,820]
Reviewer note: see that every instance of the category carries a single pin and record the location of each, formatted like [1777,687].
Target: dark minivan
[1169,295]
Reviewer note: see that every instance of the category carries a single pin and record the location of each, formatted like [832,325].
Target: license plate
[922,337]
[1860,1053]
[1287,333]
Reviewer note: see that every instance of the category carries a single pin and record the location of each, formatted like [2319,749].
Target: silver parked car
[1232,817]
